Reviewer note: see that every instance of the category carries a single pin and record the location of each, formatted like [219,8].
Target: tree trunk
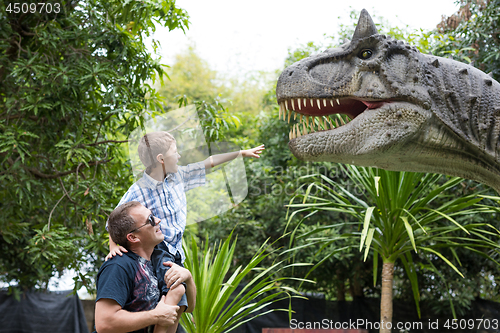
[386,299]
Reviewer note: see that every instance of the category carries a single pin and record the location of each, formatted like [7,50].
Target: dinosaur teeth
[319,105]
[337,101]
[298,102]
[331,103]
[286,105]
[293,106]
[324,103]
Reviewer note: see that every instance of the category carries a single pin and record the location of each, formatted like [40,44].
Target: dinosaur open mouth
[319,114]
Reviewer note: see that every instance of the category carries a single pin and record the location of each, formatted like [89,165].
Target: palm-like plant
[219,306]
[397,214]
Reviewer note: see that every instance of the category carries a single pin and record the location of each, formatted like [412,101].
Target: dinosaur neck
[468,102]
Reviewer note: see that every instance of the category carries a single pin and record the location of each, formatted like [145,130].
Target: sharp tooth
[307,120]
[290,135]
[298,131]
[319,105]
[342,121]
[330,122]
[286,105]
[298,101]
[337,123]
[304,128]
[312,104]
[313,120]
[324,102]
[331,103]
[305,100]
[293,106]
[337,101]
[294,115]
[289,114]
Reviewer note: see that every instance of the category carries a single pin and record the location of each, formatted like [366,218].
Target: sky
[244,36]
[240,37]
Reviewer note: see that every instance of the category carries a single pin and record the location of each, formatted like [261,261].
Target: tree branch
[40,174]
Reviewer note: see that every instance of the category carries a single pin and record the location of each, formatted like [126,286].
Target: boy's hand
[176,275]
[253,152]
[115,250]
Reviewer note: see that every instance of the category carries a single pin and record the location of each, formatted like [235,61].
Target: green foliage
[399,213]
[220,305]
[72,86]
[472,35]
[228,104]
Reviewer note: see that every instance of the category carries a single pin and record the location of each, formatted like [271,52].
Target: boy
[162,190]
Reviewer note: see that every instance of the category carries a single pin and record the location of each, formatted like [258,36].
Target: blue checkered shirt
[167,200]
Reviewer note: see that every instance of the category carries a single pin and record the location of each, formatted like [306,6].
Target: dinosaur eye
[365,54]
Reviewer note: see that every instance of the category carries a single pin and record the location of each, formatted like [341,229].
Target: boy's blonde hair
[152,144]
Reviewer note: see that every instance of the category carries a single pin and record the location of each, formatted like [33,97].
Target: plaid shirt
[167,200]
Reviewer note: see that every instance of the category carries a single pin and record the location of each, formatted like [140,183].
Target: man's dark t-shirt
[130,281]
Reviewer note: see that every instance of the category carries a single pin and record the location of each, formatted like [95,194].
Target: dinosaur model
[376,101]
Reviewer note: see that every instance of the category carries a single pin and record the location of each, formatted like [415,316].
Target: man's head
[155,147]
[130,226]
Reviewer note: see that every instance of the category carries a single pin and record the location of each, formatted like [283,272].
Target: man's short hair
[153,144]
[120,223]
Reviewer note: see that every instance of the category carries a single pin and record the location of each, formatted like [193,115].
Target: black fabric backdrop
[368,309]
[39,312]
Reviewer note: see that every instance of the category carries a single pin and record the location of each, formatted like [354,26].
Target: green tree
[74,81]
[472,35]
[396,217]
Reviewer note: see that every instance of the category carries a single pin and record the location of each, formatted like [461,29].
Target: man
[127,288]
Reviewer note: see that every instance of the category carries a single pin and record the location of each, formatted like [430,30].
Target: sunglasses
[150,220]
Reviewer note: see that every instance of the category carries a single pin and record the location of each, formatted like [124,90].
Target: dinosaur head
[355,102]
[376,101]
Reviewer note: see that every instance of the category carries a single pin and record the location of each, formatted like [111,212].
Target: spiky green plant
[220,307]
[395,218]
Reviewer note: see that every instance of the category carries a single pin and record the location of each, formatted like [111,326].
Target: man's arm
[175,276]
[111,318]
[221,158]
[190,294]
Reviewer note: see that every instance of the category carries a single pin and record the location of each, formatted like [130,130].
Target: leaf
[369,239]
[366,225]
[409,231]
[443,258]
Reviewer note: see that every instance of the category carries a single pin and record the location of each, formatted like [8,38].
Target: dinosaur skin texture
[407,111]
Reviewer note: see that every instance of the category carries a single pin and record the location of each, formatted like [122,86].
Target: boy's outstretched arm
[221,158]
[114,249]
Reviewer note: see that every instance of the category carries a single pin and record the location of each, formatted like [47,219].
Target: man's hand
[166,314]
[253,152]
[176,275]
[115,249]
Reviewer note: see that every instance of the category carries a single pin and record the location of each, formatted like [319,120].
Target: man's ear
[132,238]
[159,158]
